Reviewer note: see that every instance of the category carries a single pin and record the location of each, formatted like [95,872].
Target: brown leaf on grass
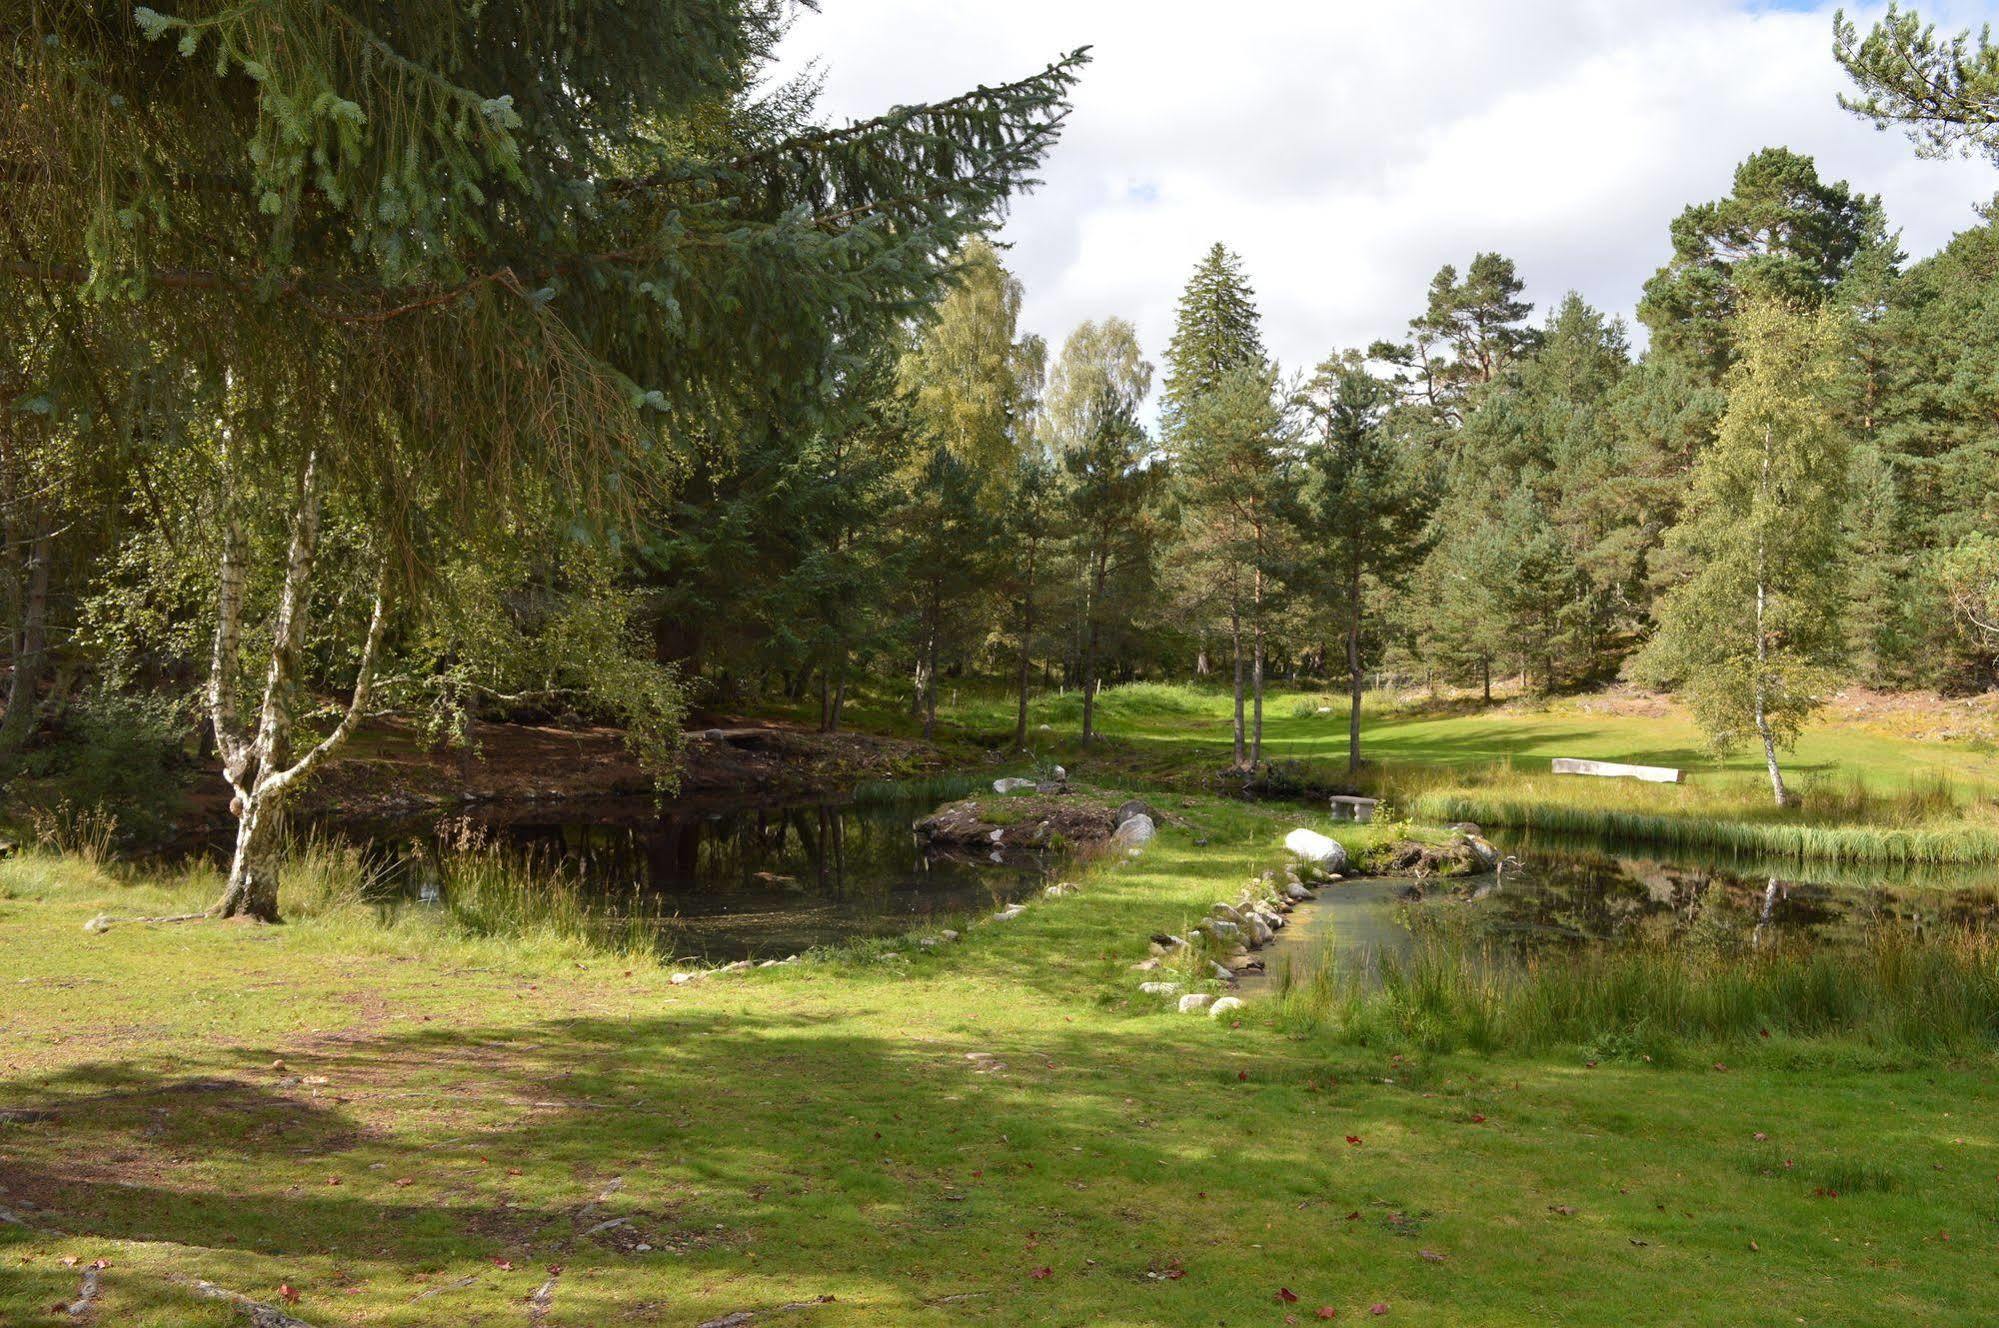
[1327,1312]
[288,1293]
[1379,1308]
[1042,1273]
[1430,1256]
[1287,1296]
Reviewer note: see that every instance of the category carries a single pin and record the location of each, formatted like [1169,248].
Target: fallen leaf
[504,1265]
[1430,1256]
[1759,1136]
[1042,1272]
[1353,1138]
[1477,1119]
[1379,1308]
[288,1293]
[1327,1312]
[1287,1295]
[1754,1246]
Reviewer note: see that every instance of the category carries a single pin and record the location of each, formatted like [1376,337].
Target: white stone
[1195,1001]
[1160,988]
[1013,784]
[1319,850]
[1009,913]
[1226,1005]
[1136,831]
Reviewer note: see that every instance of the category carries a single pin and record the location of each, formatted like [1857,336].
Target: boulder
[1160,988]
[1487,855]
[1061,888]
[1195,1001]
[1009,913]
[1226,912]
[1226,1005]
[1134,832]
[1226,932]
[1010,785]
[1221,974]
[1295,891]
[1127,810]
[1318,851]
[1260,932]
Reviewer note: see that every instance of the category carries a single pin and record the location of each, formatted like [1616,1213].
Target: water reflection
[732,880]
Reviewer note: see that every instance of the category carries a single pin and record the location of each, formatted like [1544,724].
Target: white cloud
[1347,150]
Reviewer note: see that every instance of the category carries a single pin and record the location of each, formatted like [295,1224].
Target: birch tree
[1751,636]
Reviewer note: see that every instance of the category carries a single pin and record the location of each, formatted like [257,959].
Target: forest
[394,392]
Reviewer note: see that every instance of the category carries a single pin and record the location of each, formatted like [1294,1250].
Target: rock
[1464,828]
[1009,913]
[1260,932]
[1148,965]
[740,966]
[946,934]
[998,834]
[1060,774]
[1127,810]
[1226,912]
[1195,1001]
[927,942]
[98,925]
[716,735]
[681,979]
[1166,942]
[1222,974]
[1296,891]
[1012,785]
[1221,931]
[1226,1005]
[1160,988]
[1135,832]
[1487,855]
[1061,888]
[1321,852]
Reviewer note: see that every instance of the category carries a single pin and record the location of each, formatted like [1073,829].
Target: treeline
[1495,491]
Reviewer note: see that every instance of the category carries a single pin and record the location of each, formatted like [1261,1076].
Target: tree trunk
[930,685]
[1354,676]
[32,657]
[1485,676]
[1096,590]
[1763,729]
[1026,654]
[1235,646]
[1256,672]
[255,766]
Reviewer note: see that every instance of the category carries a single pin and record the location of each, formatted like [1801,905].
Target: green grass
[1863,795]
[1909,996]
[454,1114]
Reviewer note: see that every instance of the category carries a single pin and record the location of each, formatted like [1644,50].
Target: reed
[1889,988]
[931,789]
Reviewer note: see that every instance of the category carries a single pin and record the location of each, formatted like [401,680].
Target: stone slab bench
[1347,808]
[1654,774]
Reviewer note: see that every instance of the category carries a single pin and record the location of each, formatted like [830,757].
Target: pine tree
[1751,634]
[1366,509]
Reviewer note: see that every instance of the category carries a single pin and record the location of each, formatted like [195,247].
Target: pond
[1561,894]
[725,879]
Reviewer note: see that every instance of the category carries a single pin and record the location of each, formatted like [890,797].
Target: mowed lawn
[408,1129]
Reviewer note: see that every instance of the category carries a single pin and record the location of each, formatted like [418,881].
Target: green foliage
[1751,635]
[122,759]
[1942,91]
[1216,332]
[1781,234]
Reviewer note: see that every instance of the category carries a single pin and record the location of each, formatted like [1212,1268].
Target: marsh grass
[924,788]
[1929,818]
[1930,994]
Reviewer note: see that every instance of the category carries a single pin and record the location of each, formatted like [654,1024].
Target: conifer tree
[1367,505]
[1751,635]
[403,268]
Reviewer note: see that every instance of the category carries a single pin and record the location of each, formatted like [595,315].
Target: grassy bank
[407,1123]
[1865,793]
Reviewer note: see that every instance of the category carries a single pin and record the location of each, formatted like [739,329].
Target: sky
[1347,150]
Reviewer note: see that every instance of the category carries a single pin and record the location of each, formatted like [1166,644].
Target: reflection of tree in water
[1569,899]
[754,880]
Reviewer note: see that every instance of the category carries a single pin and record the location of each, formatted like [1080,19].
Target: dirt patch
[1022,821]
[392,768]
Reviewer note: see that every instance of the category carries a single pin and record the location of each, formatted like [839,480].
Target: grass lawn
[817,1145]
[1867,788]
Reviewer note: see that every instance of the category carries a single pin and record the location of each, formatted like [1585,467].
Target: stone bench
[1653,774]
[1353,809]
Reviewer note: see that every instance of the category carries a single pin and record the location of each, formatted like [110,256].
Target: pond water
[1556,894]
[727,879]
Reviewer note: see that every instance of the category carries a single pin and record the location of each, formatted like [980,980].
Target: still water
[1557,894]
[729,879]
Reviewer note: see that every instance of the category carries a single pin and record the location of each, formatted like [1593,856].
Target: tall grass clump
[1890,988]
[1926,823]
